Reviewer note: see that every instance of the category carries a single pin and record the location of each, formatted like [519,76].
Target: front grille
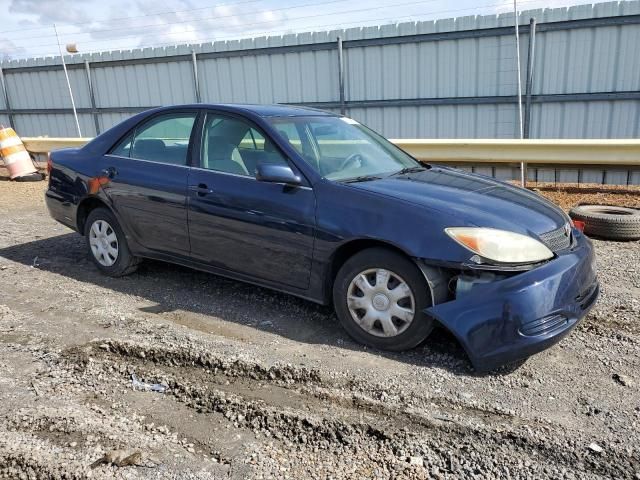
[557,239]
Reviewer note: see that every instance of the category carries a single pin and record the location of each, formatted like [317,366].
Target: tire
[30,177]
[114,265]
[401,269]
[608,222]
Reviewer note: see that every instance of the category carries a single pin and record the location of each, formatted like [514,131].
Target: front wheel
[107,244]
[379,296]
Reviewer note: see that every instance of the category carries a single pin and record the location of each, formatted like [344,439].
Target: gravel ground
[567,195]
[256,384]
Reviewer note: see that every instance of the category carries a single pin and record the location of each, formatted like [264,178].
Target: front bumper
[514,318]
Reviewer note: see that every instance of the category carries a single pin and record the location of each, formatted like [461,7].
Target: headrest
[219,148]
[285,135]
[147,146]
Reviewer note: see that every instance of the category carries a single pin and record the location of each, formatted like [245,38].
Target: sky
[97,25]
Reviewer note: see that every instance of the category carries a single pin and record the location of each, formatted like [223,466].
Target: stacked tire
[608,222]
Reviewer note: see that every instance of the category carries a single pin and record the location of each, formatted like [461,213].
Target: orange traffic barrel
[15,156]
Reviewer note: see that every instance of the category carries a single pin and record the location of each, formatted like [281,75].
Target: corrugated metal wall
[452,78]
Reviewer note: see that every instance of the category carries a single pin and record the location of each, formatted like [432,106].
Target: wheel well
[84,209]
[345,252]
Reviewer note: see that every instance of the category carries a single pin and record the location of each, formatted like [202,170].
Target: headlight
[500,245]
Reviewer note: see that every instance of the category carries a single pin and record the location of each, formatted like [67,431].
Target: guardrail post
[92,97]
[196,84]
[7,104]
[341,76]
[529,86]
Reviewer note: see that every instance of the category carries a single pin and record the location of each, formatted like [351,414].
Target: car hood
[471,199]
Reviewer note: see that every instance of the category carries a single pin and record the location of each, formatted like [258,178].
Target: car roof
[275,110]
[280,110]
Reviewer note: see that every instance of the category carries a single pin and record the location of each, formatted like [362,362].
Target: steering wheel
[351,159]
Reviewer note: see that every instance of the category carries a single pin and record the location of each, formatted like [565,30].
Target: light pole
[523,165]
[66,74]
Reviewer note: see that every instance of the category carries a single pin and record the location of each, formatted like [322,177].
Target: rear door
[263,230]
[149,170]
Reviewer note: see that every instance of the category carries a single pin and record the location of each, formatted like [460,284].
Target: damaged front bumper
[513,318]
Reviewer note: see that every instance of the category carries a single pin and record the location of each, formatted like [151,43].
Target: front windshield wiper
[361,178]
[406,170]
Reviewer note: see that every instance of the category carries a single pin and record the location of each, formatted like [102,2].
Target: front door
[262,230]
[148,173]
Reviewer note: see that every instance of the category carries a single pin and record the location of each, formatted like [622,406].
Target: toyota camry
[319,206]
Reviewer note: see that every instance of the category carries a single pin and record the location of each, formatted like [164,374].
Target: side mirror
[276,173]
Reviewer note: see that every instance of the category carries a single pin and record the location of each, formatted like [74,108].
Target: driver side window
[232,145]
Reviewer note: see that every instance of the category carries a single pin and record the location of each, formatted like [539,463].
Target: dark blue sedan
[319,206]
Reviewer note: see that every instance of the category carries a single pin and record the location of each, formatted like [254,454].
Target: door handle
[201,189]
[109,172]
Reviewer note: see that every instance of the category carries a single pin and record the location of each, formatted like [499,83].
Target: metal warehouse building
[450,78]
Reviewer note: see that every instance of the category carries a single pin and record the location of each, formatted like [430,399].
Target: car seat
[220,156]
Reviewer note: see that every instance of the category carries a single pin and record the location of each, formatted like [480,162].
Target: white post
[66,74]
[523,166]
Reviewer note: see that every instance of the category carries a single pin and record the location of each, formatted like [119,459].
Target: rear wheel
[379,296]
[107,244]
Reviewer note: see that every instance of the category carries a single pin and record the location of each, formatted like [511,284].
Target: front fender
[513,318]
[346,213]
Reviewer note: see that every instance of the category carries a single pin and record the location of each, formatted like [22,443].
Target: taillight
[49,163]
[579,224]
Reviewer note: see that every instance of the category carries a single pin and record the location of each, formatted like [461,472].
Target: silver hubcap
[104,243]
[381,302]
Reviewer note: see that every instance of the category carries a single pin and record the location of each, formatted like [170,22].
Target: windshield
[341,149]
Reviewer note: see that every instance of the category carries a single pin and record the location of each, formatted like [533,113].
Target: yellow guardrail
[48,144]
[472,151]
[537,152]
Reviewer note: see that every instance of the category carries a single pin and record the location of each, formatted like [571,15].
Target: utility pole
[523,165]
[66,75]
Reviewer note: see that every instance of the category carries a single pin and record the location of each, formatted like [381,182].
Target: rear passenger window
[123,149]
[164,139]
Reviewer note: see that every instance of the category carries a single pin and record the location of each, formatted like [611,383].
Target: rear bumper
[61,209]
[514,318]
